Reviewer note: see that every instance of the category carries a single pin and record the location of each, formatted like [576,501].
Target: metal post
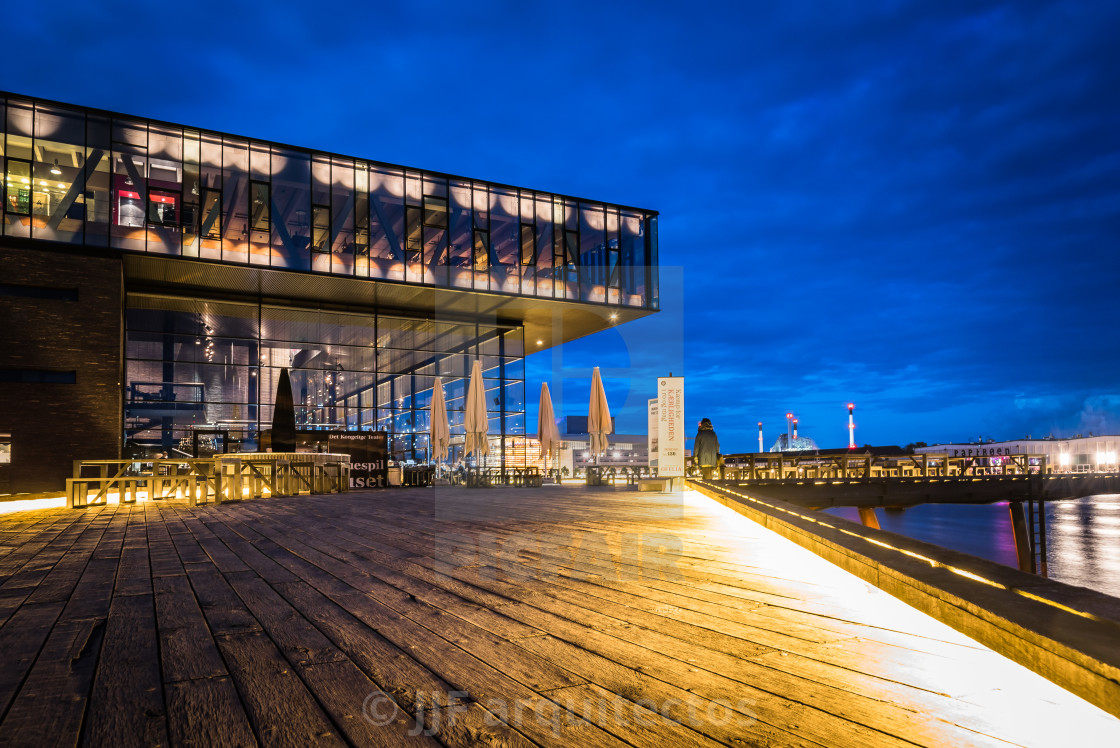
[1030,531]
[1021,534]
[1042,538]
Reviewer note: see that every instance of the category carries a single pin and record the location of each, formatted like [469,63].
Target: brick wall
[52,423]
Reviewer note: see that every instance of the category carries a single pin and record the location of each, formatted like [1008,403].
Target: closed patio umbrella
[547,432]
[474,420]
[599,422]
[439,434]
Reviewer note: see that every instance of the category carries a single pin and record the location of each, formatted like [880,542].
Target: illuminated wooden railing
[1067,634]
[205,480]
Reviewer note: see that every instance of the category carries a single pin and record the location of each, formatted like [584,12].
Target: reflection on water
[1082,535]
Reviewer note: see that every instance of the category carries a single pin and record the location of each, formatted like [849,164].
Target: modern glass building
[159,277]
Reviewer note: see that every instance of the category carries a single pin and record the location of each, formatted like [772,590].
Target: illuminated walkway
[552,616]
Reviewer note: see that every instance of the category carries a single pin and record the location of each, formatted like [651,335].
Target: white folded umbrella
[599,422]
[547,432]
[474,420]
[439,433]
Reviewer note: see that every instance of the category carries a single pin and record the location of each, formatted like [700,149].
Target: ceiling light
[54,169]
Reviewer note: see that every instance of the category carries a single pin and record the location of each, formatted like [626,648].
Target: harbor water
[1082,535]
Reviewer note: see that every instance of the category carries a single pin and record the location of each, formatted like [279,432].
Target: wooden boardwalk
[503,617]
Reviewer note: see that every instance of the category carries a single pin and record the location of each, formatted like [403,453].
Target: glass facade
[99,179]
[211,367]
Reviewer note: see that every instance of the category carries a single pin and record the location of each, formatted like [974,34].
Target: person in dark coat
[705,449]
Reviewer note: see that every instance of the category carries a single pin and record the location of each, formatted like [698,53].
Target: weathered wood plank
[49,707]
[364,713]
[516,662]
[280,708]
[187,650]
[299,641]
[126,705]
[399,590]
[51,702]
[225,612]
[21,638]
[206,713]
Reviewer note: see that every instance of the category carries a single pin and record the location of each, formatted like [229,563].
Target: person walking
[705,449]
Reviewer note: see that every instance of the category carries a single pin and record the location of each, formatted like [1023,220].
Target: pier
[865,481]
[508,616]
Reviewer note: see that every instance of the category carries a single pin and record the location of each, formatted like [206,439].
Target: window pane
[592,252]
[361,219]
[435,239]
[632,260]
[129,183]
[235,196]
[342,217]
[192,193]
[259,209]
[291,196]
[321,213]
[211,214]
[414,244]
[18,184]
[58,191]
[386,232]
[98,203]
[460,239]
[505,238]
[320,229]
[163,208]
[481,249]
[210,220]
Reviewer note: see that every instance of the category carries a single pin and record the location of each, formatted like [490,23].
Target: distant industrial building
[1080,454]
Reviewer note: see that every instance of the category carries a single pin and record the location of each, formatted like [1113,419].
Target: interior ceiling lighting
[54,169]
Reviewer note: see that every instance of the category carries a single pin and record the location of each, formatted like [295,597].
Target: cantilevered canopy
[550,321]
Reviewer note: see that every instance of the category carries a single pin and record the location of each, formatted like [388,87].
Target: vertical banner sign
[670,426]
[369,456]
[651,433]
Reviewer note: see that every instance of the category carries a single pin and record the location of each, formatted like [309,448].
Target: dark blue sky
[912,206]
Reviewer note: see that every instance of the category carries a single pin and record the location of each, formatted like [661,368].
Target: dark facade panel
[52,420]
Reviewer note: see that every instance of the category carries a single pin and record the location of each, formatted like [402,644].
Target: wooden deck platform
[502,617]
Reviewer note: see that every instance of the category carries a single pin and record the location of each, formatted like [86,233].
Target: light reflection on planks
[552,616]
